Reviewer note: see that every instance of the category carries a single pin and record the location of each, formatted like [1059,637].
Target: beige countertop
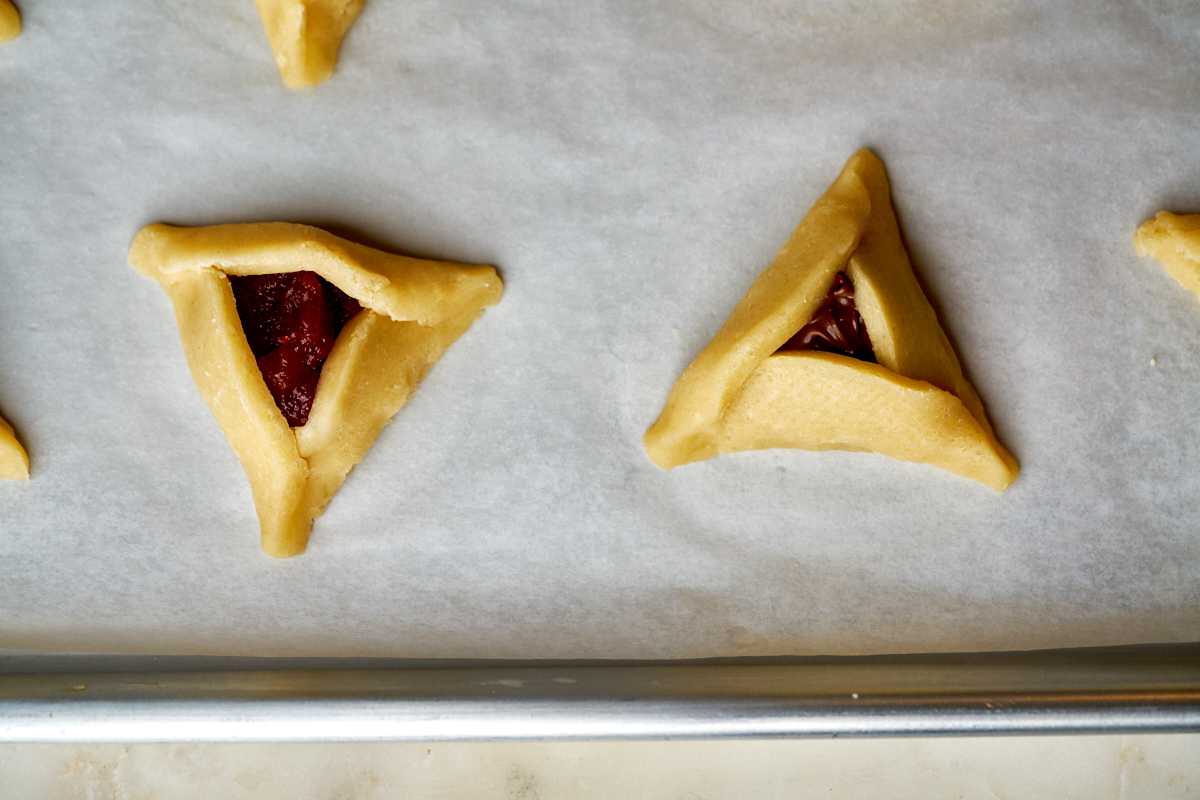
[1156,767]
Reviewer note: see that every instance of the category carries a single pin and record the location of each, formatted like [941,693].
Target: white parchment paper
[630,166]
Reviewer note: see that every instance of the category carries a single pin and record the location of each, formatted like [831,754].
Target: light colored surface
[1087,768]
[630,167]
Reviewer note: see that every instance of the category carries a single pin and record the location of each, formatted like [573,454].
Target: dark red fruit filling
[836,327]
[291,320]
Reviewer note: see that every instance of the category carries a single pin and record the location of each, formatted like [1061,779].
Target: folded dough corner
[306,35]
[1174,241]
[14,462]
[775,375]
[412,310]
[10,21]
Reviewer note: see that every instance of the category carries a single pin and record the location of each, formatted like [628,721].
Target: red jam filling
[836,327]
[291,320]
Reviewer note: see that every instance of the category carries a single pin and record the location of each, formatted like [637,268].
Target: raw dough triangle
[10,21]
[412,311]
[305,36]
[14,462]
[1174,241]
[741,393]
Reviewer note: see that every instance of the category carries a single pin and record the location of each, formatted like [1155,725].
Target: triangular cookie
[305,36]
[10,21]
[1174,241]
[751,389]
[14,462]
[412,311]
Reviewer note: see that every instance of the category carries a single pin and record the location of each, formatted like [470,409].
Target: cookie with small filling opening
[834,347]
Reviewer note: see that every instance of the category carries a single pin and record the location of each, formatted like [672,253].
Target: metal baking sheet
[1091,691]
[630,167]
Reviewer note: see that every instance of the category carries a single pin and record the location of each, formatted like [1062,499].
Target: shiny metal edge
[1112,690]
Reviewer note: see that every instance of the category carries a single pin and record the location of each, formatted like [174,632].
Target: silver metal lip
[1110,690]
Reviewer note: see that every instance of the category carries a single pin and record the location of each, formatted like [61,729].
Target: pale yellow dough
[14,462]
[10,21]
[413,311]
[915,404]
[305,36]
[1174,241]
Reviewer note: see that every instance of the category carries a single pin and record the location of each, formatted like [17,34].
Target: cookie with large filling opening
[305,345]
